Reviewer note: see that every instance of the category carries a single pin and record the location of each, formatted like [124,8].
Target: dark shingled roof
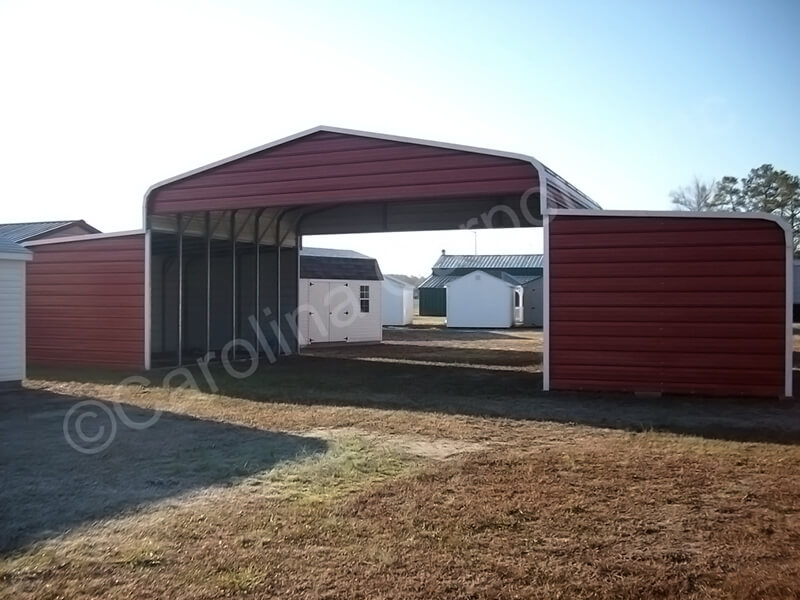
[322,263]
[332,253]
[21,232]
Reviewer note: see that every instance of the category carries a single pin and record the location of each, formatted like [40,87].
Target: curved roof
[333,166]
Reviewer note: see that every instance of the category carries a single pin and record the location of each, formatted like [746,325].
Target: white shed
[482,300]
[397,297]
[532,297]
[339,297]
[12,314]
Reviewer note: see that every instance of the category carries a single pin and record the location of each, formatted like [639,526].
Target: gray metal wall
[164,292]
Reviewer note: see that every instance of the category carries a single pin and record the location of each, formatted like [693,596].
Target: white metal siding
[12,320]
[480,300]
[533,303]
[397,303]
[342,296]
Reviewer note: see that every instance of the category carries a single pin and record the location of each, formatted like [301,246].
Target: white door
[318,312]
[342,311]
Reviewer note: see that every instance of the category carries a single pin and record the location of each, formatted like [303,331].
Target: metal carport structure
[633,301]
[241,219]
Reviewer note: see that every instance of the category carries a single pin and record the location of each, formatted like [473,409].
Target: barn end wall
[668,304]
[85,302]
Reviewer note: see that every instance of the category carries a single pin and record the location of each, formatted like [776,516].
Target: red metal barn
[646,302]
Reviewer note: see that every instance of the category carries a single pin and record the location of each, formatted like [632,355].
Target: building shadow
[421,353]
[49,487]
[484,391]
[509,394]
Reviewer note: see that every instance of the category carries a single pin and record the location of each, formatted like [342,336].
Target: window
[364,297]
[516,299]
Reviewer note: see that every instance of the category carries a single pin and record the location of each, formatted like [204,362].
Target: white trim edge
[81,238]
[546,307]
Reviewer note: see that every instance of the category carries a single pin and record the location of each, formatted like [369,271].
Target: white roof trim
[26,256]
[80,238]
[503,281]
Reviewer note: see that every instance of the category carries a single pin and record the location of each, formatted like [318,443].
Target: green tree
[766,189]
[729,195]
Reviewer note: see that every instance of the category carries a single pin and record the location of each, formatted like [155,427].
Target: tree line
[763,189]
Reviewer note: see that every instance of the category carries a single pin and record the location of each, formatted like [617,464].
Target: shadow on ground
[175,455]
[500,357]
[486,392]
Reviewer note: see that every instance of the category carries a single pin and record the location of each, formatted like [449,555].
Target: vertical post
[179,220]
[208,283]
[148,297]
[233,282]
[257,261]
[298,245]
[278,287]
[165,263]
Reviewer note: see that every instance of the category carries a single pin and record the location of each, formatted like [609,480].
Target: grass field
[429,467]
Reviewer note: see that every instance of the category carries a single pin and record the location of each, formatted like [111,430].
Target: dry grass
[350,485]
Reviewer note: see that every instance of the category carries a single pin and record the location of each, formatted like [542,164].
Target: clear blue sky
[626,99]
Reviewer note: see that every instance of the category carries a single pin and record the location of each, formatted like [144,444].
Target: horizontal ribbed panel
[674,305]
[85,303]
[328,167]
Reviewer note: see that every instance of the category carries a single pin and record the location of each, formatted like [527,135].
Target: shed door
[318,313]
[342,311]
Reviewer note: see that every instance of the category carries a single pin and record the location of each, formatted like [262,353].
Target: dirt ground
[428,467]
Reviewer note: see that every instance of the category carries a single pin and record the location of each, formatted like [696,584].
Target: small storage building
[13,259]
[519,269]
[532,298]
[479,299]
[397,297]
[339,297]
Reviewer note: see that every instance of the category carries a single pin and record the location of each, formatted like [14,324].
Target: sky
[627,100]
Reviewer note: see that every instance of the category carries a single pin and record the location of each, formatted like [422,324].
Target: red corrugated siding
[327,167]
[675,305]
[85,303]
